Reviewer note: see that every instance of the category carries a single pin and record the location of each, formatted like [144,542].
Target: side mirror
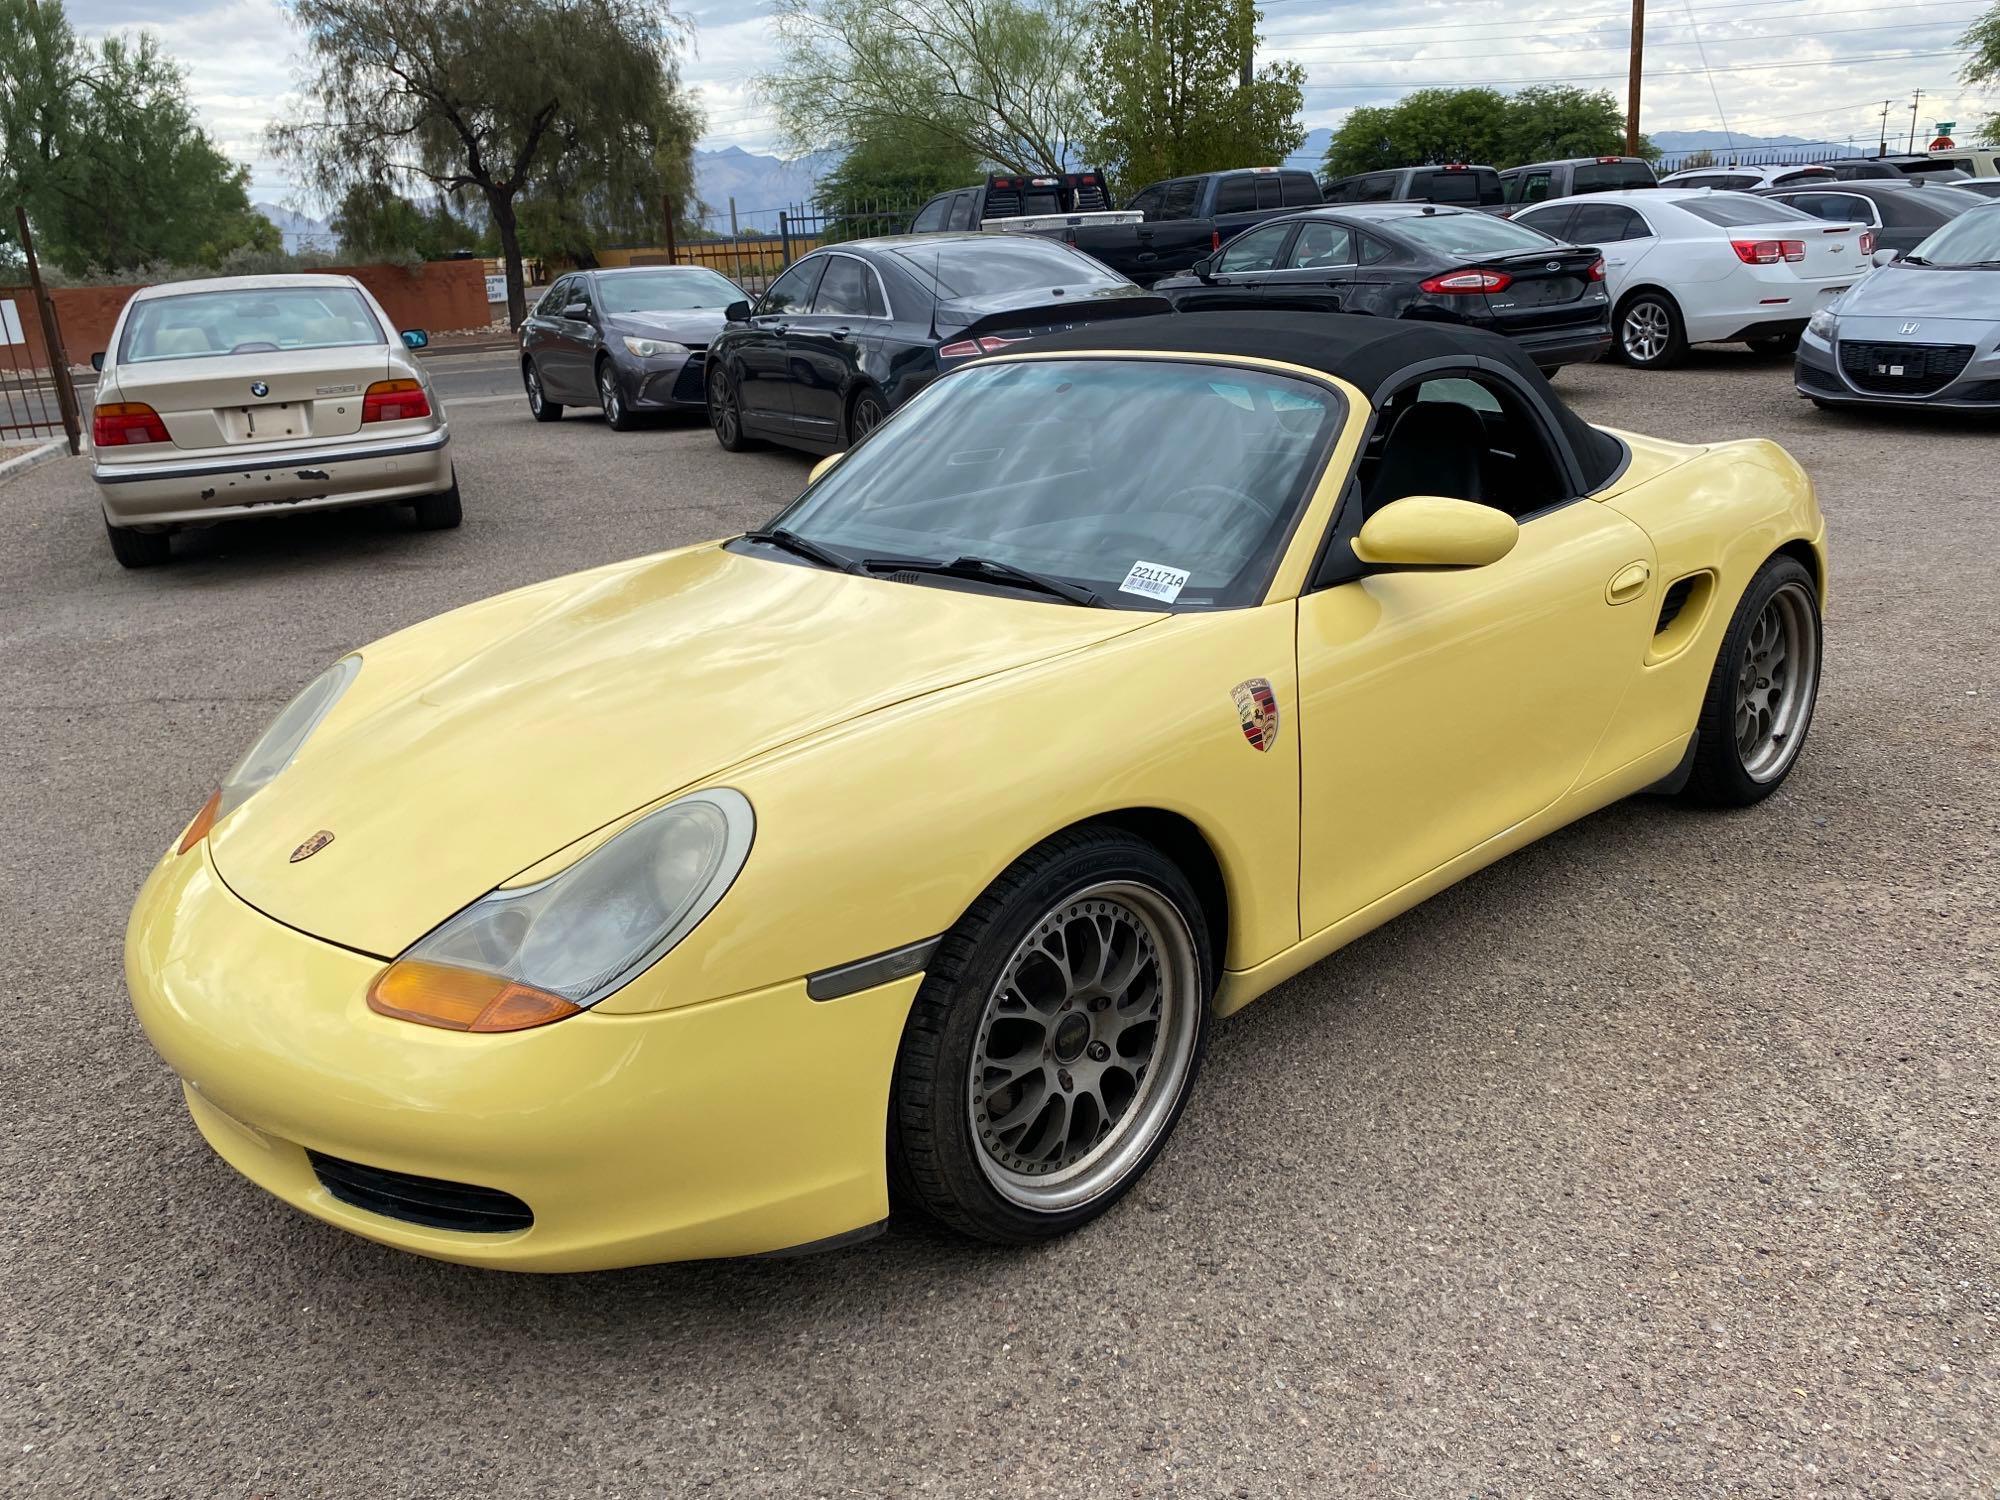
[1429,531]
[97,360]
[822,466]
[1202,267]
[1887,257]
[416,338]
[736,312]
[577,312]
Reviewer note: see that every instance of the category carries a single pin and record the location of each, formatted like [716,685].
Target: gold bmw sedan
[260,396]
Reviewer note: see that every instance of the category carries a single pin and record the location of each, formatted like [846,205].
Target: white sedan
[1703,267]
[261,396]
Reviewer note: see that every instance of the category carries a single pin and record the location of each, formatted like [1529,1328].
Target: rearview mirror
[97,360]
[1887,257]
[823,465]
[416,338]
[1430,531]
[737,312]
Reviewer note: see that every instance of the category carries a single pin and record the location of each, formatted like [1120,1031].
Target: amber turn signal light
[203,821]
[462,999]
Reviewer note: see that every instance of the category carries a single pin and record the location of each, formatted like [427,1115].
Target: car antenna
[937,267]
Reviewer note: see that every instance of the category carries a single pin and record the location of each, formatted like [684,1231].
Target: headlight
[1822,324]
[274,748]
[646,348]
[525,957]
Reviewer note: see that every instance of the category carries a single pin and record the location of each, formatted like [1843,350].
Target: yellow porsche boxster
[904,850]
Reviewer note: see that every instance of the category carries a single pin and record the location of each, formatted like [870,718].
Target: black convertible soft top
[1368,353]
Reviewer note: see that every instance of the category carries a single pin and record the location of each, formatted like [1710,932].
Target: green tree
[492,97]
[890,171]
[375,222]
[605,188]
[1169,75]
[1550,121]
[101,146]
[1427,125]
[1000,80]
[1982,64]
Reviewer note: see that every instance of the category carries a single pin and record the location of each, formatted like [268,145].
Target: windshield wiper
[801,546]
[991,570]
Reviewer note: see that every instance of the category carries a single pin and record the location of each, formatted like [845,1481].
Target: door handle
[1628,583]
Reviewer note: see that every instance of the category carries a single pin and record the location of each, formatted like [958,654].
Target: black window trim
[819,255]
[887,315]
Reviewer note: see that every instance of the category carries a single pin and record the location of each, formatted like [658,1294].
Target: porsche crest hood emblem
[312,845]
[1257,708]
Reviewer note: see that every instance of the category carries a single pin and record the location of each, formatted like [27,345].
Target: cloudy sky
[1811,68]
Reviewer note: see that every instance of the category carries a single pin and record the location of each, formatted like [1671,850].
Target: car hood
[694,326]
[474,746]
[1894,291]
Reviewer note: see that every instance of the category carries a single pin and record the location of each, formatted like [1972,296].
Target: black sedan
[849,333]
[1414,260]
[1905,211]
[626,341]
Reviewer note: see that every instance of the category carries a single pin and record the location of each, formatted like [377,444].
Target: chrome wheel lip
[1776,683]
[1644,331]
[1145,1118]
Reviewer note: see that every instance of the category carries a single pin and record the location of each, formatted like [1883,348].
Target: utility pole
[1883,149]
[1632,87]
[1249,62]
[1915,99]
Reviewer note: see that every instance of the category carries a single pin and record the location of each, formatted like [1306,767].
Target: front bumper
[665,382]
[1976,388]
[207,487]
[737,1126]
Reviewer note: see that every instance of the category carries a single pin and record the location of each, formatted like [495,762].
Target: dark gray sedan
[627,341]
[1922,330]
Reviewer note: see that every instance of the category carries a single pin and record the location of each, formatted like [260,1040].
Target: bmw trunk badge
[259,389]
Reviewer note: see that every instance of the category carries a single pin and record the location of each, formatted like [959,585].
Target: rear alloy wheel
[617,416]
[138,549]
[868,414]
[1054,1041]
[544,409]
[1760,697]
[1650,336]
[439,512]
[725,414]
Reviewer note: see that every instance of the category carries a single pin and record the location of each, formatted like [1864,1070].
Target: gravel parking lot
[1658,1160]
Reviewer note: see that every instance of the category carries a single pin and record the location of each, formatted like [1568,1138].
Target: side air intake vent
[1671,606]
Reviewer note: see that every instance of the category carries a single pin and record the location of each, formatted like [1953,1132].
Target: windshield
[1470,234]
[666,290]
[1155,484]
[1971,239]
[1609,176]
[256,321]
[1003,263]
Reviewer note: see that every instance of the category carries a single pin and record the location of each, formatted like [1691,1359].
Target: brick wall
[437,295]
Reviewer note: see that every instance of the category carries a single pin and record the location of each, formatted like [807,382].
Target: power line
[1714,92]
[1762,36]
[1452,83]
[1588,15]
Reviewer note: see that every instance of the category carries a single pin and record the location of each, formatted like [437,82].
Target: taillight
[1596,271]
[1460,282]
[1768,252]
[966,348]
[121,424]
[394,401]
[1214,240]
[1867,242]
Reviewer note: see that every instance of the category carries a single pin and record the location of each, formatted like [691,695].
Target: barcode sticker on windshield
[1155,581]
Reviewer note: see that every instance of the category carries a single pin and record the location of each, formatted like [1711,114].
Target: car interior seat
[1434,448]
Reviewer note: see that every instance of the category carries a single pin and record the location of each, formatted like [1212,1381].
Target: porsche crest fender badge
[1257,709]
[313,845]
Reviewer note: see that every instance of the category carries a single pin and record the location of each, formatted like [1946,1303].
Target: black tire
[1721,776]
[725,412]
[138,549]
[938,1162]
[539,405]
[866,412]
[617,415]
[439,512]
[1664,339]
[1777,343]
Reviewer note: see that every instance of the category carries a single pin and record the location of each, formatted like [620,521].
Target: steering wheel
[1196,499]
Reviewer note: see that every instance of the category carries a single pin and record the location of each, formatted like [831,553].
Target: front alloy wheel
[616,416]
[1054,1040]
[725,415]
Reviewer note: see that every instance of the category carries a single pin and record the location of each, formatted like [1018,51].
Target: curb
[20,464]
[484,346]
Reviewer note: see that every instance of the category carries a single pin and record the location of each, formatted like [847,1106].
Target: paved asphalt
[1658,1160]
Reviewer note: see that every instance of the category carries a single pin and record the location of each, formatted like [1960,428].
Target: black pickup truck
[1164,229]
